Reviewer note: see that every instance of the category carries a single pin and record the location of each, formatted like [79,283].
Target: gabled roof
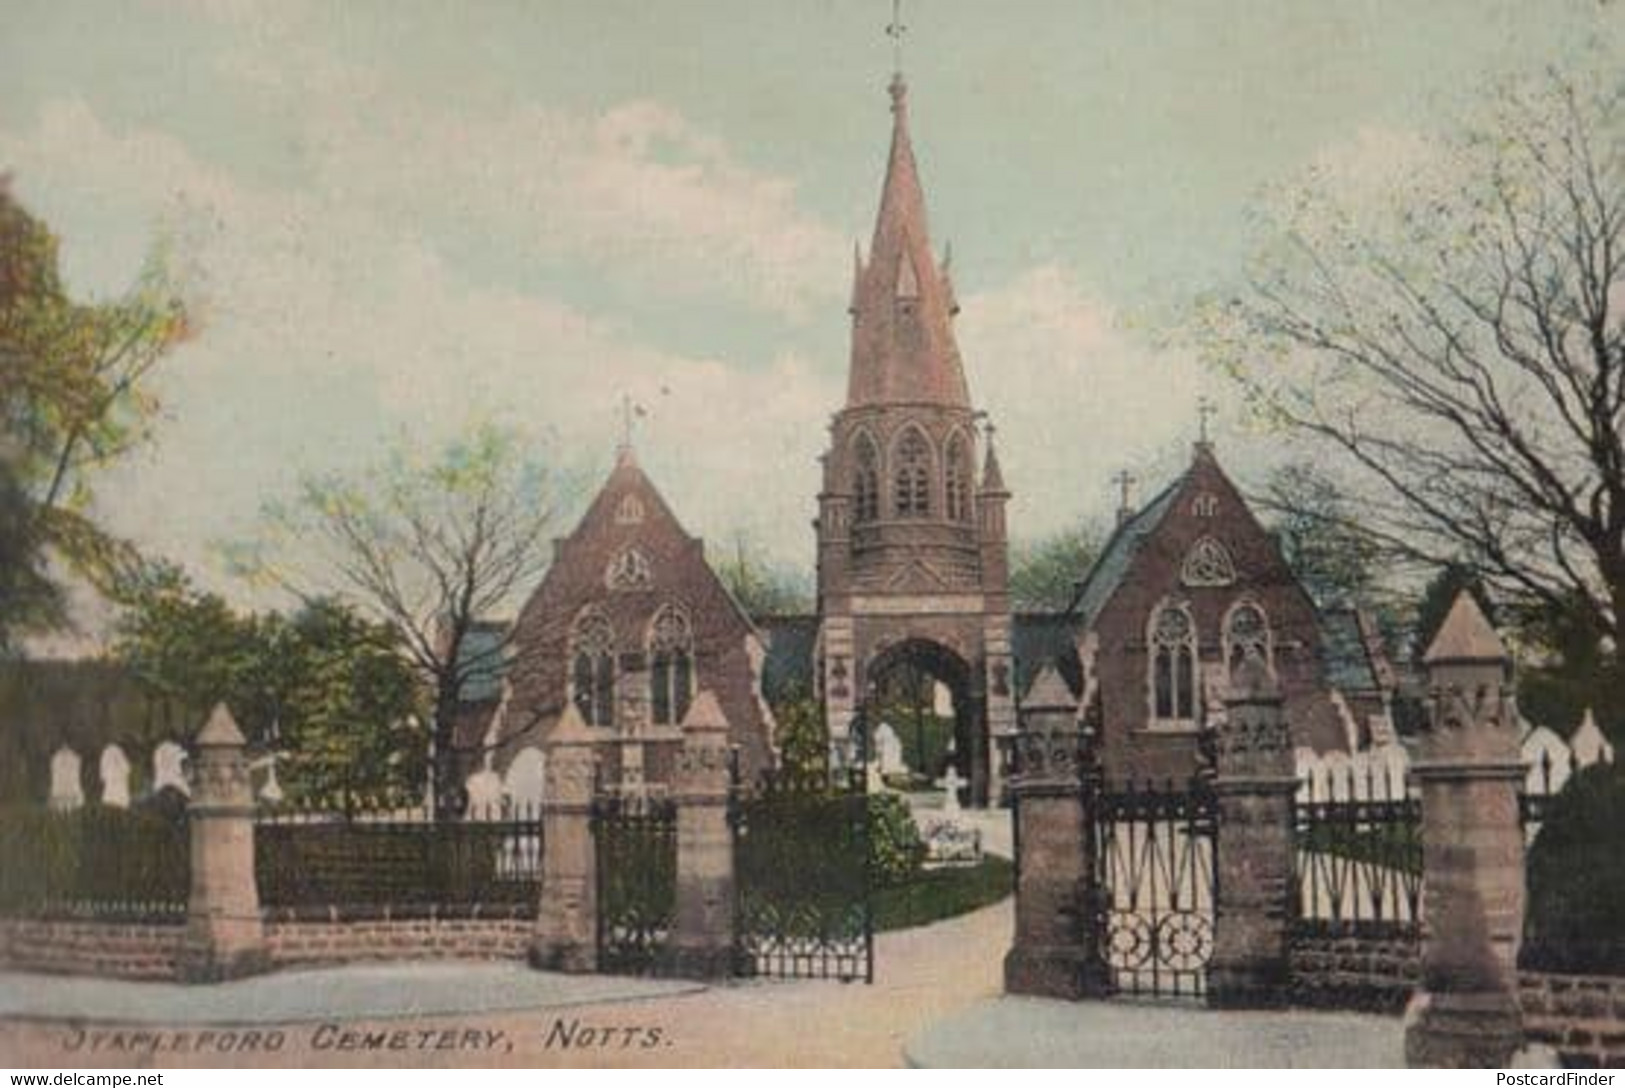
[1117,558]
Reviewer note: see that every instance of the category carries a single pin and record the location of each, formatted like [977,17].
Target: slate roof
[1344,655]
[1117,558]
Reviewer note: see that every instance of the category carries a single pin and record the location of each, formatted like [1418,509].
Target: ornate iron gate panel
[801,864]
[1154,868]
[636,842]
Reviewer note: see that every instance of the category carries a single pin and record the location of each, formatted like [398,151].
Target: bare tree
[435,548]
[1459,347]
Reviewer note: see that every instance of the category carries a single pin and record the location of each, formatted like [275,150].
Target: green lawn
[935,894]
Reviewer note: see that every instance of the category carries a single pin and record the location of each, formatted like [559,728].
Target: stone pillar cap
[221,730]
[572,729]
[1465,636]
[1049,691]
[705,715]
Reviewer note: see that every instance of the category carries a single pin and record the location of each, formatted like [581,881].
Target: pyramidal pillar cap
[221,730]
[1049,691]
[705,715]
[1466,637]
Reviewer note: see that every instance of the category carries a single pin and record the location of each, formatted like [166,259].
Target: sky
[398,219]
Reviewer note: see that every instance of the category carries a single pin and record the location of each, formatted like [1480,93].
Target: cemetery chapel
[630,622]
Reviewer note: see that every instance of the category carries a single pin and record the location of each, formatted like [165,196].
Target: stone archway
[922,664]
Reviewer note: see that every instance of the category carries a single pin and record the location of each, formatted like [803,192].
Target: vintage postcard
[871,533]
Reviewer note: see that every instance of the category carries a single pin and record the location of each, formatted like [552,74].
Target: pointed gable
[903,347]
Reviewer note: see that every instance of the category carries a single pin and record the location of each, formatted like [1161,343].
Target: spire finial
[1205,411]
[895,31]
[631,412]
[1124,481]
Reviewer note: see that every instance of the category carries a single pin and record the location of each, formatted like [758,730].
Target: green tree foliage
[760,587]
[1577,876]
[430,545]
[1454,343]
[896,850]
[75,396]
[1044,574]
[329,692]
[803,738]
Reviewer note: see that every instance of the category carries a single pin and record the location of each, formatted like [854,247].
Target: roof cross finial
[1124,481]
[631,412]
[895,31]
[1205,411]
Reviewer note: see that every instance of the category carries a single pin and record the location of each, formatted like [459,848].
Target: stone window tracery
[1207,564]
[911,496]
[592,673]
[1247,634]
[865,481]
[671,666]
[957,475]
[629,570]
[1173,666]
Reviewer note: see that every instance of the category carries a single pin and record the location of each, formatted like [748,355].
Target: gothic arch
[592,667]
[1245,630]
[866,476]
[1172,652]
[670,640]
[912,463]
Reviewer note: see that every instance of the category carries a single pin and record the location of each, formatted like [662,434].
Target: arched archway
[908,685]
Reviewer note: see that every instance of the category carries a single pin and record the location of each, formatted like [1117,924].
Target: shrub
[1576,908]
[896,850]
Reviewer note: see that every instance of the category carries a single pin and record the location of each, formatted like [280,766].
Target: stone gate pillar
[566,937]
[1255,783]
[225,935]
[1055,952]
[702,938]
[1469,768]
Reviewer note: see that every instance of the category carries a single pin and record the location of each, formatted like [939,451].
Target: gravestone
[67,791]
[169,768]
[115,776]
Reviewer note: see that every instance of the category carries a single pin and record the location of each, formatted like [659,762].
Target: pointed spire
[1465,635]
[992,474]
[903,347]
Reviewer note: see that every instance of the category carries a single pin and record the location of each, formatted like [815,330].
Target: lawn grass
[934,894]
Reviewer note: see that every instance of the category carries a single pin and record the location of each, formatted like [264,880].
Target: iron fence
[95,862]
[1358,855]
[636,842]
[399,863]
[804,904]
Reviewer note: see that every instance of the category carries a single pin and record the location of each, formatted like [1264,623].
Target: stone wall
[309,942]
[128,950]
[1354,972]
[1582,1016]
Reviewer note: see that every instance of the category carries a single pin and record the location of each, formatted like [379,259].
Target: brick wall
[1582,1016]
[310,942]
[105,949]
[1354,972]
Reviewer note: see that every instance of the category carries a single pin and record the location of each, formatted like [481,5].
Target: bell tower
[912,549]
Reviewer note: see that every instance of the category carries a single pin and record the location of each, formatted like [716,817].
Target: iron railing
[399,863]
[95,862]
[636,842]
[1358,855]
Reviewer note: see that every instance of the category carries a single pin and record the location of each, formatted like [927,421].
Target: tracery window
[630,511]
[629,570]
[671,666]
[1207,564]
[1246,634]
[912,476]
[1173,665]
[865,480]
[957,476]
[592,673]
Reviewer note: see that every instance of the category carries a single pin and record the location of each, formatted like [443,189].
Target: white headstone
[523,783]
[1589,744]
[115,775]
[169,768]
[484,792]
[1543,749]
[889,750]
[66,789]
[950,783]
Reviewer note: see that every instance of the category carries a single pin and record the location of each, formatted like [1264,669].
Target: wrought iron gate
[636,842]
[1152,848]
[801,863]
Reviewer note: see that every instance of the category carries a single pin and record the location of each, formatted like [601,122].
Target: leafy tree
[1577,878]
[75,396]
[1044,575]
[760,587]
[432,548]
[1458,350]
[329,692]
[803,738]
